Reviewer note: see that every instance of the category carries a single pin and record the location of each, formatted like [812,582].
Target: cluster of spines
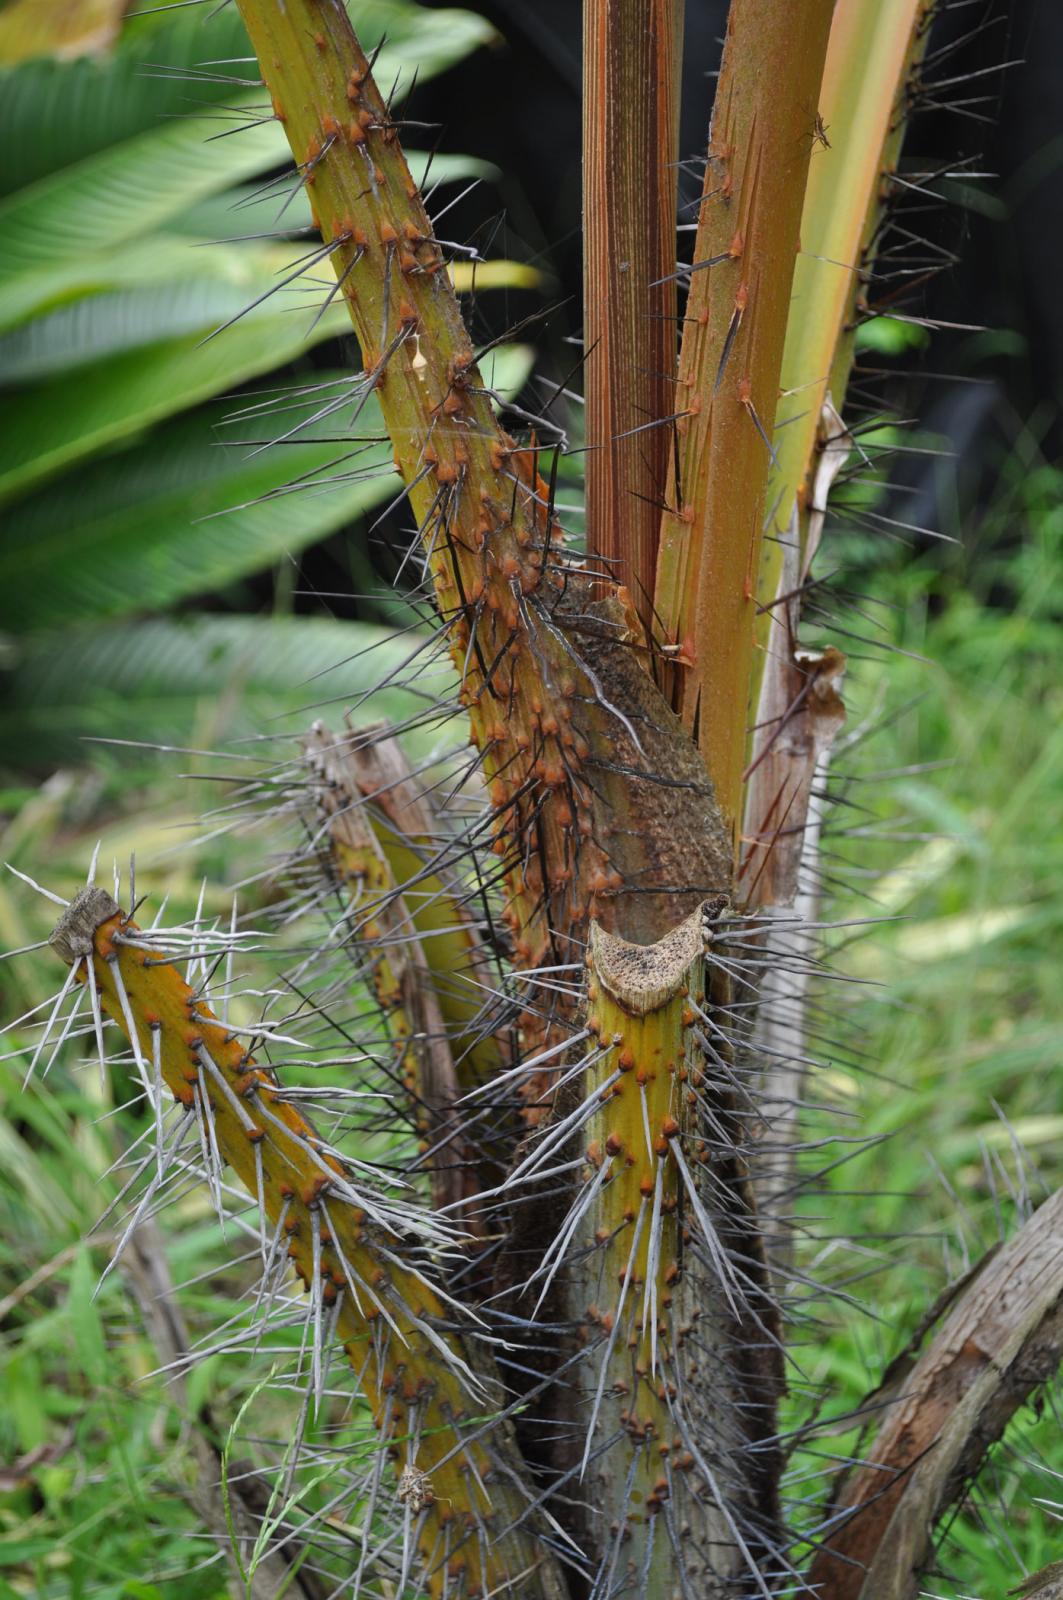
[375,913]
[633,1235]
[435,988]
[366,1259]
[634,1231]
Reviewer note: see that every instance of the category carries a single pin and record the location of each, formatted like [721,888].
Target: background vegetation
[130,609]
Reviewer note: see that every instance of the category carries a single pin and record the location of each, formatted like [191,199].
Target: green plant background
[127,611]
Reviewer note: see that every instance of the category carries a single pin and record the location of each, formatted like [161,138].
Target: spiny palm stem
[367,1273]
[560,705]
[632,54]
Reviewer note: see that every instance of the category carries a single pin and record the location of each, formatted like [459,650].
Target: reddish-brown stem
[631,53]
[763,128]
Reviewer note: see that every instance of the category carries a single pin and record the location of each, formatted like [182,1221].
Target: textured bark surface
[655,810]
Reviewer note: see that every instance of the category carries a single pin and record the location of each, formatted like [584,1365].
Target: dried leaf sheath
[366,769]
[521,628]
[366,1272]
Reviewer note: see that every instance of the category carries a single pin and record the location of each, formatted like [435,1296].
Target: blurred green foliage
[146,202]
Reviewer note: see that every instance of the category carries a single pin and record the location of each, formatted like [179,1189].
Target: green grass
[960,1022]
